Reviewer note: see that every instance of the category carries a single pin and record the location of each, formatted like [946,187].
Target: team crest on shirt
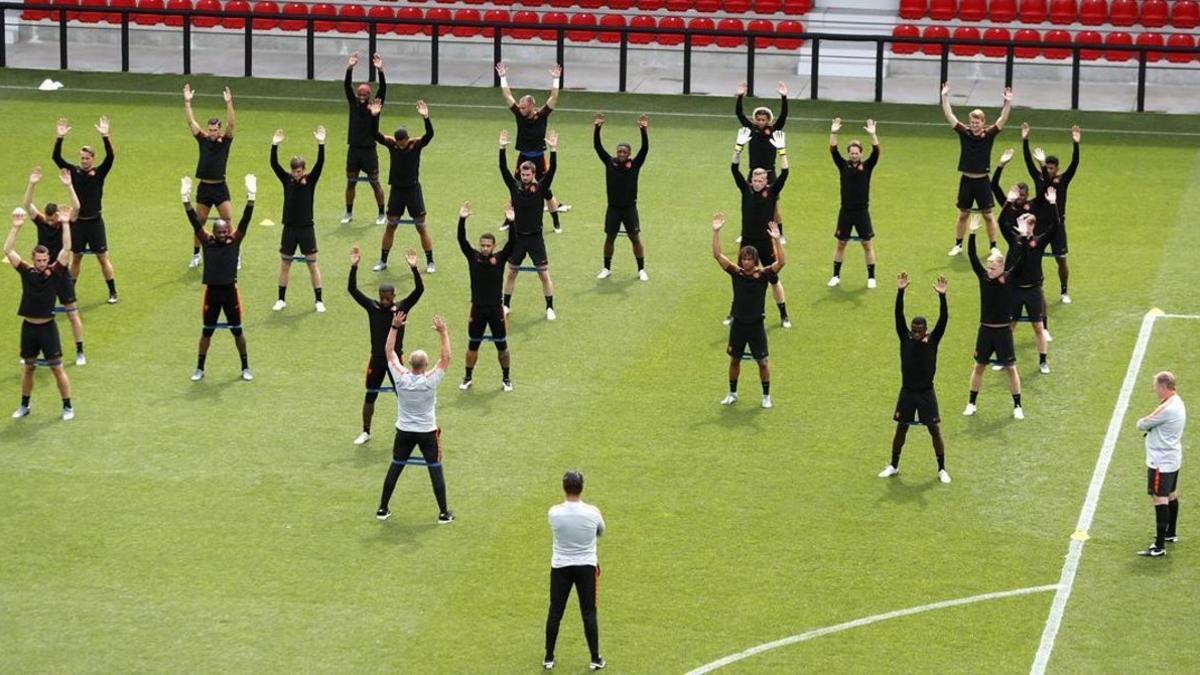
[492,261]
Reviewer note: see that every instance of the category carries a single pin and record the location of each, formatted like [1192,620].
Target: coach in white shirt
[576,526]
[1164,455]
[416,416]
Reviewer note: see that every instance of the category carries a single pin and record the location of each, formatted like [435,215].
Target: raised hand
[422,109]
[251,185]
[64,175]
[510,214]
[598,120]
[188,93]
[64,214]
[1075,133]
[975,222]
[410,257]
[35,175]
[355,256]
[718,221]
[1006,157]
[556,70]
[643,121]
[504,138]
[743,136]
[1008,95]
[1014,193]
[742,88]
[552,140]
[870,128]
[102,126]
[353,61]
[902,280]
[227,95]
[374,107]
[18,217]
[1052,194]
[1024,130]
[773,230]
[781,88]
[836,126]
[501,69]
[779,140]
[940,285]
[319,134]
[377,62]
[278,137]
[1040,155]
[398,319]
[62,127]
[945,89]
[464,211]
[439,324]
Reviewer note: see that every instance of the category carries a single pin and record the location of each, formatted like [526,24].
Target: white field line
[475,106]
[866,621]
[1075,550]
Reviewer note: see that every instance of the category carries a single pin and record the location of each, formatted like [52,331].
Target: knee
[369,399]
[502,348]
[235,331]
[473,345]
[207,333]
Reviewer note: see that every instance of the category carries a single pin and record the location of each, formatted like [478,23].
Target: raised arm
[64,254]
[997,191]
[556,74]
[780,255]
[315,174]
[552,146]
[381,91]
[102,128]
[439,324]
[389,346]
[974,257]
[946,109]
[505,174]
[34,177]
[718,221]
[185,193]
[1070,172]
[1153,419]
[352,281]
[743,137]
[1006,109]
[188,115]
[243,227]
[738,108]
[427,138]
[348,83]
[279,172]
[10,242]
[777,140]
[502,71]
[463,244]
[60,128]
[643,127]
[901,322]
[598,121]
[781,119]
[939,329]
[408,301]
[230,117]
[875,147]
[1035,171]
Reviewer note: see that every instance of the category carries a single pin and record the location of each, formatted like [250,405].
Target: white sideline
[865,621]
[1075,549]
[589,111]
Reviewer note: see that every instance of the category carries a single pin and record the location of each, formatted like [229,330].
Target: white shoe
[1065,299]
[504,227]
[80,359]
[347,217]
[563,208]
[956,250]
[642,276]
[247,375]
[787,323]
[969,410]
[1046,333]
[198,375]
[465,385]
[430,268]
[506,385]
[997,366]
[766,402]
[68,414]
[1018,413]
[550,315]
[871,282]
[195,261]
[381,219]
[834,281]
[727,320]
[558,230]
[944,477]
[729,399]
[362,438]
[738,240]
[379,266]
[888,471]
[279,304]
[319,306]
[604,273]
[782,240]
[20,412]
[1044,368]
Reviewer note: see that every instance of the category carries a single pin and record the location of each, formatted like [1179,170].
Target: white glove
[251,185]
[185,188]
[779,141]
[743,137]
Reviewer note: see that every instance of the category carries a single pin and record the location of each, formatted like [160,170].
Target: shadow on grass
[610,286]
[838,296]
[480,396]
[28,428]
[405,527]
[908,491]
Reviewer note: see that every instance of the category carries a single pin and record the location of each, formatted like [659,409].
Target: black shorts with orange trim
[303,238]
[747,335]
[995,340]
[377,369]
[533,245]
[1028,302]
[40,338]
[913,405]
[487,321]
[975,191]
[1161,483]
[220,299]
[212,194]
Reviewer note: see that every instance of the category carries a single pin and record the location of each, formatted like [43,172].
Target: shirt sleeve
[640,158]
[836,155]
[943,317]
[873,158]
[352,288]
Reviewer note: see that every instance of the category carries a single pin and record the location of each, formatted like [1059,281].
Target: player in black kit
[527,192]
[221,249]
[298,228]
[210,168]
[995,334]
[750,281]
[975,153]
[918,365]
[532,132]
[759,197]
[1049,176]
[404,177]
[621,182]
[764,125]
[379,315]
[40,280]
[50,234]
[487,314]
[853,216]
[88,179]
[360,139]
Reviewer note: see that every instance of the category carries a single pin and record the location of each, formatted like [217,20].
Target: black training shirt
[762,153]
[379,316]
[220,257]
[855,178]
[298,194]
[214,155]
[995,295]
[749,294]
[528,200]
[918,358]
[621,178]
[531,133]
[89,185]
[1061,182]
[487,273]
[49,233]
[405,161]
[362,122]
[39,290]
[975,152]
[758,208]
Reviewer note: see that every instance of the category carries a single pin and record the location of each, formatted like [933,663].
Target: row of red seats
[1052,42]
[791,7]
[1182,14]
[91,11]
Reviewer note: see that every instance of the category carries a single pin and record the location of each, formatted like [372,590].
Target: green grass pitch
[227,526]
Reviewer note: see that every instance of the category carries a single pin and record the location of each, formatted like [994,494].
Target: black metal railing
[500,29]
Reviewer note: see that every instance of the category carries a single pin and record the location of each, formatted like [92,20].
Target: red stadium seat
[139,19]
[439,14]
[936,33]
[1123,12]
[708,5]
[788,27]
[651,5]
[972,10]
[1056,37]
[551,35]
[73,15]
[208,21]
[611,21]
[701,23]
[1180,40]
[351,12]
[323,9]
[1089,37]
[1185,14]
[385,15]
[994,33]
[679,6]
[796,7]
[498,2]
[93,17]
[1026,35]
[1032,11]
[41,14]
[1154,13]
[642,21]
[1002,11]
[965,33]
[591,4]
[1119,39]
[408,12]
[1093,12]
[231,7]
[620,5]
[561,4]
[180,5]
[297,9]
[262,7]
[525,17]
[908,31]
[734,25]
[1063,12]
[913,10]
[736,6]
[942,10]
[1151,40]
[466,14]
[761,26]
[583,19]
[525,3]
[670,23]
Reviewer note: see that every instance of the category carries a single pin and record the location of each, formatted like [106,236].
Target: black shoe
[1153,552]
[383,514]
[447,517]
[1172,538]
[597,664]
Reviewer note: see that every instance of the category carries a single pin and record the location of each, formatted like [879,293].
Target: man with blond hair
[1164,454]
[975,153]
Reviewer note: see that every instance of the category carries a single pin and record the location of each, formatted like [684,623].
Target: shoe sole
[382,518]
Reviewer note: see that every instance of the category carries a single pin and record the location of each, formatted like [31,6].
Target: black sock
[766,388]
[554,217]
[283,293]
[733,386]
[317,293]
[1041,358]
[112,286]
[837,268]
[1064,289]
[78,347]
[641,263]
[1016,400]
[871,271]
[469,374]
[67,404]
[1173,507]
[549,302]
[895,463]
[782,310]
[429,256]
[200,361]
[245,360]
[381,208]
[508,299]
[25,401]
[958,242]
[1162,517]
[608,262]
[504,374]
[195,250]
[974,395]
[350,207]
[383,254]
[941,462]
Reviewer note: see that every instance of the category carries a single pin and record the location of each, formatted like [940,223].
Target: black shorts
[766,255]
[487,321]
[377,369]
[304,238]
[222,298]
[541,164]
[66,288]
[915,405]
[364,160]
[532,244]
[857,219]
[615,216]
[401,199]
[428,441]
[995,340]
[212,194]
[1160,484]
[1029,302]
[40,337]
[1058,245]
[977,191]
[742,335]
[88,235]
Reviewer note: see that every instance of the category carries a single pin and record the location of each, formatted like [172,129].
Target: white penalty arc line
[866,621]
[1075,551]
[586,111]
